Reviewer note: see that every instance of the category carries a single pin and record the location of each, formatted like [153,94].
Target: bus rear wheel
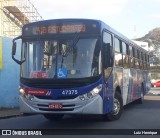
[117,109]
[53,117]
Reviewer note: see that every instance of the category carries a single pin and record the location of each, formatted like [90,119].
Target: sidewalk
[9,112]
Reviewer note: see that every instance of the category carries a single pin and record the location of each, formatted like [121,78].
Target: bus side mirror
[14,48]
[14,51]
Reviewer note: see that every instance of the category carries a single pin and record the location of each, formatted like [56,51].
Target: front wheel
[53,117]
[117,109]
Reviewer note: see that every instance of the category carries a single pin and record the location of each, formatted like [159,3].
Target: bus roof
[103,26]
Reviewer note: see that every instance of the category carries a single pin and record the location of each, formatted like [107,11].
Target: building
[9,74]
[154,59]
[142,44]
[14,14]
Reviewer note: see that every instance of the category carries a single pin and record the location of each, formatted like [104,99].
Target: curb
[9,112]
[10,116]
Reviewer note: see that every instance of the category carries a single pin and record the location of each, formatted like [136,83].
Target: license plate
[55,106]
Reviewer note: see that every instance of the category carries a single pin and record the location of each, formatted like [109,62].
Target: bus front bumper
[71,106]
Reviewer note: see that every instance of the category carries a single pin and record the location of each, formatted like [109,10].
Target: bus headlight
[21,91]
[95,91]
[92,93]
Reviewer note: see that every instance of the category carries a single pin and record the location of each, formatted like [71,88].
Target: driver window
[107,45]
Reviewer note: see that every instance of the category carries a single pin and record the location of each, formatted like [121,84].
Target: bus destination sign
[60,29]
[50,28]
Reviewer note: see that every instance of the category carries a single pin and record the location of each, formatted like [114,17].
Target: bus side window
[136,58]
[145,61]
[108,50]
[133,58]
[118,53]
[125,55]
[140,61]
[148,63]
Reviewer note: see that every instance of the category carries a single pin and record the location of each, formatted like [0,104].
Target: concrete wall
[9,75]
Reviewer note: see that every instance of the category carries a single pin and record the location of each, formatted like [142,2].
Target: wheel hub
[116,108]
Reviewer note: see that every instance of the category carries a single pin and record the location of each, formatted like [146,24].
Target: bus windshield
[61,58]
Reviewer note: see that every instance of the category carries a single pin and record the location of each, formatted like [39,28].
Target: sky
[132,18]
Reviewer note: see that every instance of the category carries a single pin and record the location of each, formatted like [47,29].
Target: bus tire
[118,109]
[140,100]
[53,117]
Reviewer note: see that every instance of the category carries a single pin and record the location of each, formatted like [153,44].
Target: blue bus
[79,66]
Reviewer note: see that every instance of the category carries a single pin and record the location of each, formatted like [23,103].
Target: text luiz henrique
[145,132]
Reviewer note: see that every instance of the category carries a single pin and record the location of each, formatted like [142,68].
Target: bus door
[139,82]
[134,84]
[126,73]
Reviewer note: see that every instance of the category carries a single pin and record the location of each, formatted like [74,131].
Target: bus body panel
[108,94]
[131,82]
[126,83]
[147,81]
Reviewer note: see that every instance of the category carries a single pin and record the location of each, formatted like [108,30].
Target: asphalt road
[135,116]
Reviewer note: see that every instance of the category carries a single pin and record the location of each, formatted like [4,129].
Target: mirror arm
[19,37]
[17,61]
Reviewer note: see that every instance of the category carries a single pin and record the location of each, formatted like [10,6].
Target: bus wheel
[53,117]
[117,110]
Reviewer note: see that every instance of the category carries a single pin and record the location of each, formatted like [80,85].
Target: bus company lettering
[60,29]
[37,92]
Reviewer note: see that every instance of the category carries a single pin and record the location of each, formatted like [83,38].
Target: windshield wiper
[72,45]
[75,40]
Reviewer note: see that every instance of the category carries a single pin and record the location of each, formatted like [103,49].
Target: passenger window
[140,61]
[138,54]
[118,53]
[117,45]
[107,38]
[131,62]
[125,61]
[125,55]
[130,51]
[118,59]
[134,52]
[136,63]
[141,55]
[124,47]
[108,54]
